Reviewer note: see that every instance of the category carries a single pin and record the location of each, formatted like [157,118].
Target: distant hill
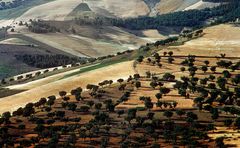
[59,9]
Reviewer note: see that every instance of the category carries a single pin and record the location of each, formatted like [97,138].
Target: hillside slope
[214,40]
[202,5]
[167,6]
[218,39]
[92,77]
[55,10]
[59,9]
[93,41]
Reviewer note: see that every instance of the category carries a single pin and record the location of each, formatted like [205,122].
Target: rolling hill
[185,87]
[88,40]
[214,43]
[59,9]
[108,73]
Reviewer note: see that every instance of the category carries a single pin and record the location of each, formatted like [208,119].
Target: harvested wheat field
[59,9]
[218,39]
[119,8]
[201,5]
[231,135]
[146,90]
[112,41]
[55,10]
[113,72]
[166,6]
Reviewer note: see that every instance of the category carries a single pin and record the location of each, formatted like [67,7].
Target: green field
[5,70]
[94,67]
[4,92]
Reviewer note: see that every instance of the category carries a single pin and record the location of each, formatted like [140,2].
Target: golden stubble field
[224,38]
[113,72]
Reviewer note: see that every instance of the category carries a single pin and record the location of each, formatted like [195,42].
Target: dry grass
[56,10]
[231,136]
[166,6]
[217,39]
[202,5]
[147,91]
[92,42]
[59,9]
[113,72]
